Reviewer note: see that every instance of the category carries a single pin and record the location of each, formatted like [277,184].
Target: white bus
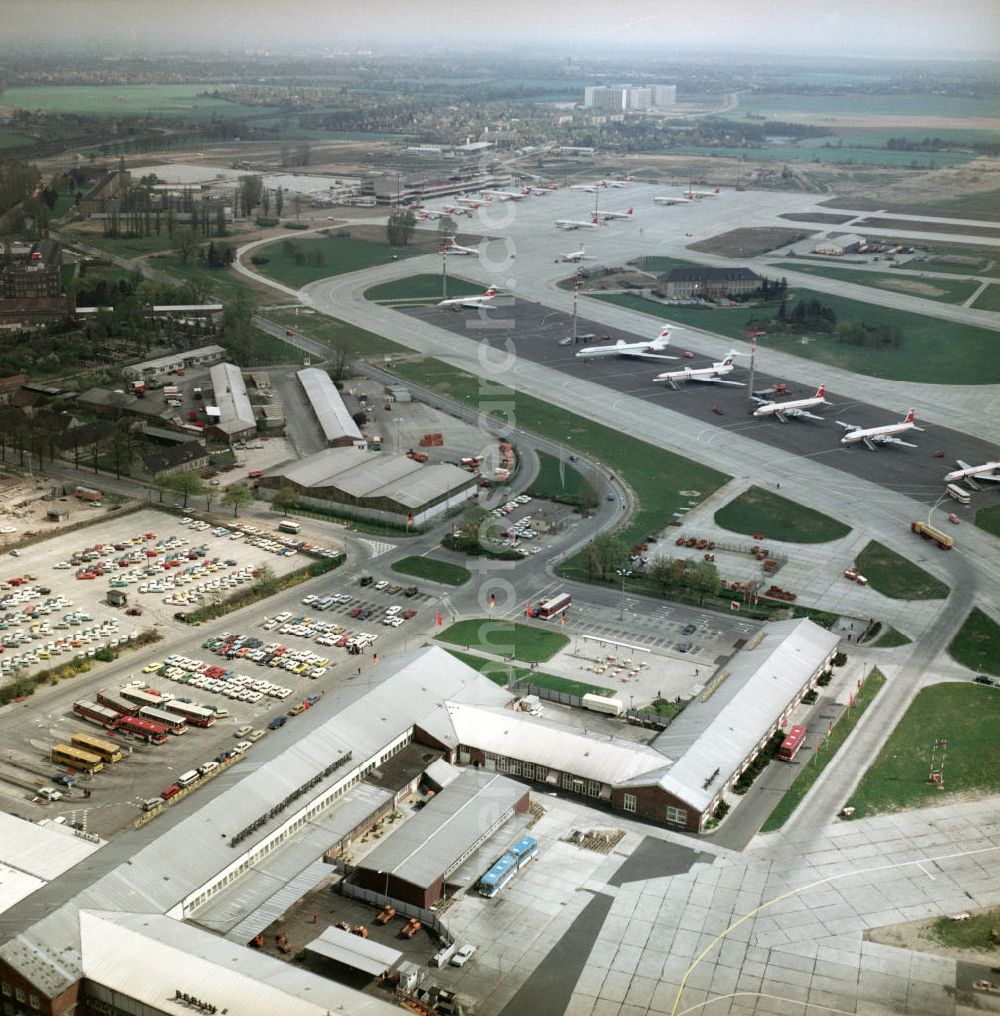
[959,494]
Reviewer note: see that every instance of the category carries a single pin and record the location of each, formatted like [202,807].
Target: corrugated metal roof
[43,851]
[231,396]
[15,885]
[554,745]
[331,413]
[353,951]
[150,958]
[165,362]
[278,904]
[721,732]
[435,840]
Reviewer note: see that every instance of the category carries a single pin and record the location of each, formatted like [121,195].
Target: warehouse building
[232,416]
[840,245]
[414,863]
[336,423]
[188,359]
[394,488]
[709,283]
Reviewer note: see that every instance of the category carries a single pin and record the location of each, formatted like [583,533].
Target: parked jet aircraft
[872,437]
[614,215]
[577,223]
[664,200]
[792,409]
[636,350]
[971,475]
[509,195]
[689,193]
[576,255]
[713,374]
[471,302]
[454,248]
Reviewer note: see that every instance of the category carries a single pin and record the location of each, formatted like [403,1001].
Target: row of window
[9,991]
[320,804]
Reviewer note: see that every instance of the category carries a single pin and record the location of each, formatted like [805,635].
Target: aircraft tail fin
[821,392]
[909,417]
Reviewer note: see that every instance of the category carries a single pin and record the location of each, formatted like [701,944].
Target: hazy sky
[838,27]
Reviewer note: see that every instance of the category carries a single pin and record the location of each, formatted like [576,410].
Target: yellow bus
[108,751]
[66,755]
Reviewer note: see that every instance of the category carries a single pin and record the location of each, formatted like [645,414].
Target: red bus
[197,716]
[113,701]
[791,744]
[174,724]
[555,606]
[95,713]
[141,728]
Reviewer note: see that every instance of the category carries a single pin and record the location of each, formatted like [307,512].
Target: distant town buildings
[31,288]
[623,98]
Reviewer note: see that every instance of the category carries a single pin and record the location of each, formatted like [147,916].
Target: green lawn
[977,645]
[557,480]
[500,673]
[989,519]
[337,254]
[759,511]
[423,288]
[966,716]
[655,263]
[656,475]
[506,638]
[976,933]
[944,290]
[968,357]
[981,267]
[433,570]
[894,576]
[322,328]
[813,765]
[988,299]
[222,283]
[890,639]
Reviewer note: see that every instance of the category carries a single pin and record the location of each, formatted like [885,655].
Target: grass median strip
[824,755]
[433,570]
[501,673]
[505,638]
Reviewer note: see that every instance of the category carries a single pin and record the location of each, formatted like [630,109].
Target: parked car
[463,956]
[243,731]
[689,629]
[982,679]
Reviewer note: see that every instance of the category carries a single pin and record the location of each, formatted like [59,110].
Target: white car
[463,956]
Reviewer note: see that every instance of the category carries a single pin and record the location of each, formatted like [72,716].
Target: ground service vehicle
[792,743]
[523,851]
[288,527]
[959,494]
[928,532]
[106,750]
[601,704]
[75,758]
[557,605]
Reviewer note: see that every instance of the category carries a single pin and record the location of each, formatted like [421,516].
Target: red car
[170,792]
[408,614]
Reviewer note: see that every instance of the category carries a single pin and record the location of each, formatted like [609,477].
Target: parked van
[186,779]
[207,768]
[152,802]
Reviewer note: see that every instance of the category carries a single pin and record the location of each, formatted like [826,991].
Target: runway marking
[762,994]
[805,888]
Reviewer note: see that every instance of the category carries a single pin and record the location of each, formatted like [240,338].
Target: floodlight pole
[444,276]
[753,362]
[576,287]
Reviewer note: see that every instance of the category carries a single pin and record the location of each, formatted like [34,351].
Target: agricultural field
[12,139]
[759,511]
[966,716]
[967,359]
[946,290]
[125,100]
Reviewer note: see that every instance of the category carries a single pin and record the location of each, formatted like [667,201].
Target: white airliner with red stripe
[471,302]
[649,350]
[872,437]
[713,375]
[785,411]
[988,472]
[614,215]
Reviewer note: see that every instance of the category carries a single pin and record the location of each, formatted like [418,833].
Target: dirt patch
[912,287]
[750,241]
[920,936]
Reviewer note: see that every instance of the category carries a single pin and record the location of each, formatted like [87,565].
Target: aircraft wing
[847,426]
[637,355]
[797,413]
[899,441]
[987,477]
[720,381]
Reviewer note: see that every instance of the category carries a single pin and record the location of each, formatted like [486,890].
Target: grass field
[11,139]
[894,576]
[423,289]
[557,480]
[322,328]
[964,715]
[926,226]
[656,475]
[339,254]
[866,106]
[834,154]
[223,283]
[989,519]
[890,639]
[759,511]
[977,644]
[813,766]
[499,673]
[945,290]
[967,358]
[432,570]
[951,268]
[976,933]
[505,638]
[655,263]
[126,100]
[989,299]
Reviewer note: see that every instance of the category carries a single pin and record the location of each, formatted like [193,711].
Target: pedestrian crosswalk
[378,547]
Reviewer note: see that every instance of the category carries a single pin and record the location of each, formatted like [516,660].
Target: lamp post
[385,902]
[621,601]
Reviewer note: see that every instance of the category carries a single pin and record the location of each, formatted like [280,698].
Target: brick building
[710,283]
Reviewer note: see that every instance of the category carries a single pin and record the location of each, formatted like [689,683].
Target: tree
[279,201]
[702,578]
[447,226]
[400,226]
[360,418]
[184,484]
[285,498]
[341,355]
[238,496]
[605,555]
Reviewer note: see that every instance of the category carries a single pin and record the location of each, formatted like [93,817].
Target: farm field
[174,100]
[967,359]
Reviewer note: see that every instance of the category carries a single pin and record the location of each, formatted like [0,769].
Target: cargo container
[602,704]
